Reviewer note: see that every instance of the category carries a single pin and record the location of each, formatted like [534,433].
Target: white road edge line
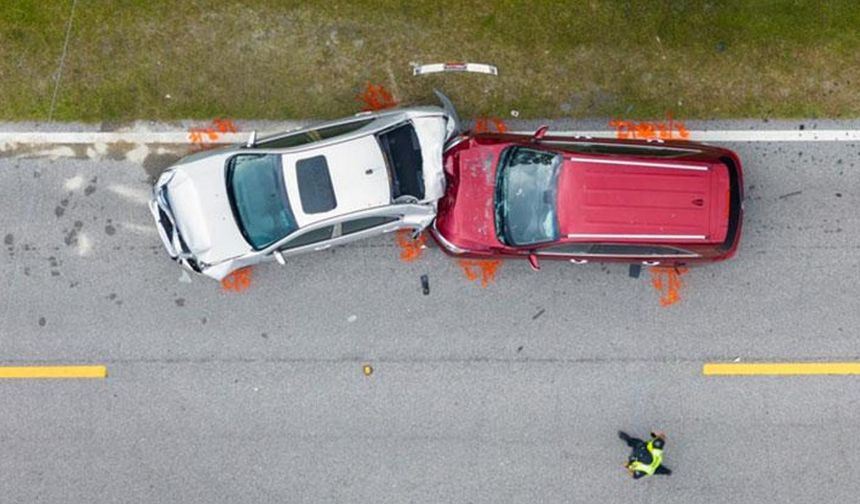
[183,137]
[734,135]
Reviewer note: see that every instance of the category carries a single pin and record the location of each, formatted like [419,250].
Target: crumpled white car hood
[198,200]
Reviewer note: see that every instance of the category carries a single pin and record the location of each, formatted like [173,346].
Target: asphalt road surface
[513,392]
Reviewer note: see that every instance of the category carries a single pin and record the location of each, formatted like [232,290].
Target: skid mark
[238,281]
[648,130]
[202,137]
[410,250]
[483,269]
[486,124]
[376,97]
[667,281]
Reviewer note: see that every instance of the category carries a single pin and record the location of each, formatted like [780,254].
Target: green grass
[272,59]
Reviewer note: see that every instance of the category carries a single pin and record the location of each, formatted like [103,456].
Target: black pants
[640,452]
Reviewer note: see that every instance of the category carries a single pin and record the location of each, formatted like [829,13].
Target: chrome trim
[453,142]
[640,163]
[445,243]
[663,256]
[638,236]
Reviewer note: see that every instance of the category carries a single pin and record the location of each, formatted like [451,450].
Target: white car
[304,190]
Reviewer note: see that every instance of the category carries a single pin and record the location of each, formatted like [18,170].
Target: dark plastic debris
[425,284]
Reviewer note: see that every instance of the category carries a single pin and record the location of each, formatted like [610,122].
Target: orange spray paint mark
[646,130]
[376,97]
[482,125]
[201,137]
[238,281]
[485,269]
[667,281]
[410,249]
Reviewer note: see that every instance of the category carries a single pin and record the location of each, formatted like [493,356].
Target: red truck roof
[642,201]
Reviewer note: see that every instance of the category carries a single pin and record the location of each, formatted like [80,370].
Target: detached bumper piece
[455,67]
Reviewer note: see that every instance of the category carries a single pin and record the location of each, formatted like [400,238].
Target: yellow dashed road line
[53,372]
[781,368]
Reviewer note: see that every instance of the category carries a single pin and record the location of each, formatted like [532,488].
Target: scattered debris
[482,68]
[200,137]
[425,285]
[352,318]
[410,249]
[484,269]
[482,125]
[646,130]
[667,281]
[515,113]
[536,315]
[376,97]
[367,369]
[795,193]
[635,270]
[238,281]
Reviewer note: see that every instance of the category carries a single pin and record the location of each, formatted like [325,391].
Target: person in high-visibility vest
[647,458]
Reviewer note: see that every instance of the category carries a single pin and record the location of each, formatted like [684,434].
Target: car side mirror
[252,139]
[540,133]
[279,257]
[533,262]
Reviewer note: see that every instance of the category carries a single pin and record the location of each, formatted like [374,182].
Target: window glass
[340,129]
[283,142]
[567,249]
[309,238]
[404,161]
[308,136]
[619,149]
[315,189]
[636,250]
[526,193]
[356,225]
[258,198]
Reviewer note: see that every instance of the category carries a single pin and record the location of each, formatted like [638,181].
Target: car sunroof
[315,189]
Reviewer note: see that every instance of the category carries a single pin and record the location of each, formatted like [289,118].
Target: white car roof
[359,178]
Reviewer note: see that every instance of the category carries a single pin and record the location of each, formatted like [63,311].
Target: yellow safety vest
[656,460]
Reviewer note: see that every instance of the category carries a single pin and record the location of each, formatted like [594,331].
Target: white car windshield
[258,197]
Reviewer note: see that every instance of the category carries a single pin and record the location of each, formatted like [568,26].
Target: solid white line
[183,137]
[733,135]
[640,163]
[134,137]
